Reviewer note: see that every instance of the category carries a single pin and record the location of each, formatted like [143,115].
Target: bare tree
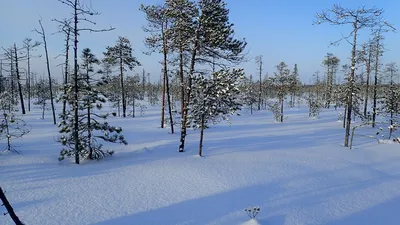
[29,47]
[358,19]
[43,34]
[21,96]
[65,28]
[377,33]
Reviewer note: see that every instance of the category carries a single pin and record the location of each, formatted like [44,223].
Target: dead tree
[80,14]
[29,47]
[358,19]
[378,37]
[9,208]
[43,34]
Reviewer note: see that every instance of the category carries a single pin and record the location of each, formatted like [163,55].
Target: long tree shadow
[273,198]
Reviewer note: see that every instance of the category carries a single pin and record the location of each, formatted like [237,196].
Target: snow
[297,172]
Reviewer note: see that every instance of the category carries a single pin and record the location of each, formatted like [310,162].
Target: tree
[43,35]
[213,38]
[281,82]
[294,85]
[29,47]
[390,103]
[11,126]
[93,126]
[121,55]
[213,99]
[358,19]
[158,27]
[365,55]
[331,64]
[66,28]
[259,61]
[377,33]
[41,91]
[80,14]
[249,96]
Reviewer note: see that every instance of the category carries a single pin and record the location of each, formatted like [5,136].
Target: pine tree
[212,42]
[213,99]
[11,126]
[249,95]
[331,64]
[94,129]
[281,82]
[390,103]
[294,86]
[121,55]
[41,91]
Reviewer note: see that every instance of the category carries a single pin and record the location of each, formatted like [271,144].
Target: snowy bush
[274,107]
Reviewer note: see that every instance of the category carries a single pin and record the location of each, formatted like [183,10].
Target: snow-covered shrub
[274,107]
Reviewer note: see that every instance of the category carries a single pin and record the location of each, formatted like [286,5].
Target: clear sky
[280,30]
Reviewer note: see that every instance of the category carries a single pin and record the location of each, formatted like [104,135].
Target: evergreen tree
[213,99]
[281,82]
[94,129]
[41,91]
[390,103]
[11,126]
[121,55]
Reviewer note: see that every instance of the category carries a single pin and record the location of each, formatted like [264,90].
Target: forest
[92,102]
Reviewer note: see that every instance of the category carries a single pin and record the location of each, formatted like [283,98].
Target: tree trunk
[89,131]
[76,99]
[133,106]
[66,69]
[344,116]
[351,83]
[28,79]
[186,111]
[367,83]
[281,119]
[201,136]
[21,96]
[43,109]
[48,72]
[182,84]
[260,86]
[166,79]
[374,109]
[165,74]
[121,70]
[9,208]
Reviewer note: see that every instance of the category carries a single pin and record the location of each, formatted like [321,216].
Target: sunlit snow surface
[297,172]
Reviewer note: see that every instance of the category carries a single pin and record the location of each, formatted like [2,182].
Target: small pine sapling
[275,108]
[11,127]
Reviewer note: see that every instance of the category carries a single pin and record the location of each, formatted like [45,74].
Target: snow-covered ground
[296,172]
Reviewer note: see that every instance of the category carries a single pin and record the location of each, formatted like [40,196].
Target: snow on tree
[94,129]
[41,91]
[11,126]
[214,99]
[390,103]
[281,82]
[249,93]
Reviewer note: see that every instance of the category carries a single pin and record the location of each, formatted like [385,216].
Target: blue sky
[279,30]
